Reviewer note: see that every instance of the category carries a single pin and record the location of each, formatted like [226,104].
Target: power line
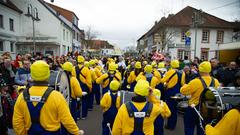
[223,6]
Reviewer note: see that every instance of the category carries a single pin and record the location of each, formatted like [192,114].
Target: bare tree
[166,36]
[90,34]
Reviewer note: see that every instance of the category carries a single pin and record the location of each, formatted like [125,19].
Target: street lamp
[33,13]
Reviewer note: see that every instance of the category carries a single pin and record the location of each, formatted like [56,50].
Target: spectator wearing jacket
[23,76]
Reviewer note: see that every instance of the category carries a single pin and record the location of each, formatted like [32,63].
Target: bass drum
[214,103]
[59,80]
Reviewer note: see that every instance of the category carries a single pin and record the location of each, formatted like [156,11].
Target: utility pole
[197,19]
[33,14]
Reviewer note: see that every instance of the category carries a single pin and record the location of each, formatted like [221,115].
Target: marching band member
[194,88]
[40,109]
[83,74]
[133,75]
[110,103]
[96,87]
[162,70]
[106,78]
[76,91]
[159,121]
[93,78]
[228,125]
[174,79]
[148,75]
[137,117]
[155,71]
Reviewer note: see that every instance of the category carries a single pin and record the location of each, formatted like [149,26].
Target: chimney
[156,22]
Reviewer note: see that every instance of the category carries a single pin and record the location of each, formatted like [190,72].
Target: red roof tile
[99,44]
[64,12]
[10,5]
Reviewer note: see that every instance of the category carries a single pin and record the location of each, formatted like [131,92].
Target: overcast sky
[122,22]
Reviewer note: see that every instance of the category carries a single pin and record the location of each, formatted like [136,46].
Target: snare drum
[125,96]
[214,103]
[59,80]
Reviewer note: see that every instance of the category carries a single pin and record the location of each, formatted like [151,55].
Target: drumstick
[108,124]
[193,106]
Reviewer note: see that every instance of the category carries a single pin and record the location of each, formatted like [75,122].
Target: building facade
[169,35]
[10,22]
[55,34]
[72,20]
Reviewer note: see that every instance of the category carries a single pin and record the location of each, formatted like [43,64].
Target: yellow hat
[40,71]
[86,64]
[157,93]
[138,65]
[112,67]
[80,59]
[114,85]
[161,65]
[68,66]
[92,62]
[175,64]
[148,69]
[141,88]
[205,67]
[154,64]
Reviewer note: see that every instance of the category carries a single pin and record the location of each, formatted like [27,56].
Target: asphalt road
[92,125]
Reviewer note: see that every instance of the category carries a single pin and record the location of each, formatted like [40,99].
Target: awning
[229,46]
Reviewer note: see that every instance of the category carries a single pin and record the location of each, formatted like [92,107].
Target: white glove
[81,132]
[84,93]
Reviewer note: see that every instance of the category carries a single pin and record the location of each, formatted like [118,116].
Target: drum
[125,96]
[59,80]
[214,103]
[182,102]
[182,105]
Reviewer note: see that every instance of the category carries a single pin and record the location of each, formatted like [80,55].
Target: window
[180,54]
[205,36]
[63,34]
[220,36]
[12,46]
[1,21]
[67,36]
[73,34]
[11,24]
[183,35]
[77,36]
[1,45]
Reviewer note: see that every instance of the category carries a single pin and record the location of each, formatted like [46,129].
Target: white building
[72,20]
[169,34]
[52,34]
[9,26]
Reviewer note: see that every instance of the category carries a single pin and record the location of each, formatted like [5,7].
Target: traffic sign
[188,33]
[188,41]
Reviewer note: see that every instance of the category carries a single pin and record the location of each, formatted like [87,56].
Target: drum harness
[111,77]
[79,71]
[179,79]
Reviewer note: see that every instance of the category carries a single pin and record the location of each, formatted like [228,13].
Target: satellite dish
[52,0]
